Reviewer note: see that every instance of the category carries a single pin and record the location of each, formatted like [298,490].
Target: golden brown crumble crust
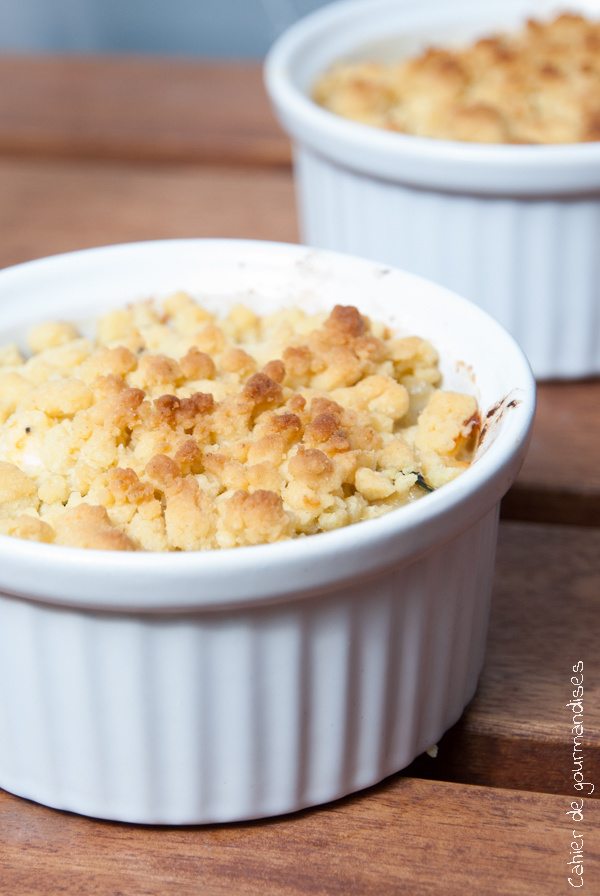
[177,430]
[539,85]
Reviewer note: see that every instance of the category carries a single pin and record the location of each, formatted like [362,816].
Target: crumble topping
[176,430]
[539,85]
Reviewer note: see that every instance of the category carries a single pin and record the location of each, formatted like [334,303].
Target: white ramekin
[515,229]
[217,686]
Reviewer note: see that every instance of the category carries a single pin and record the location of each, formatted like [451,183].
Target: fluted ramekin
[234,684]
[514,229]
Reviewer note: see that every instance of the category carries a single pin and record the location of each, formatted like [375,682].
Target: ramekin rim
[490,473]
[392,150]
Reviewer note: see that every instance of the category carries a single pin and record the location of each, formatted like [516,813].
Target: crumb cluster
[173,429]
[539,85]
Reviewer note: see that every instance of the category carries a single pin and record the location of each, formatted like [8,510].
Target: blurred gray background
[208,28]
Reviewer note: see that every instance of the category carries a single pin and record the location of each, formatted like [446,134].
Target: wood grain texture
[560,479]
[51,206]
[517,732]
[138,108]
[402,836]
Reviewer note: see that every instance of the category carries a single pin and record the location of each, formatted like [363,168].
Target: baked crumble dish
[172,429]
[538,85]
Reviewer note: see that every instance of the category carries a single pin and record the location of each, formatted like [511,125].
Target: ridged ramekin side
[532,263]
[241,714]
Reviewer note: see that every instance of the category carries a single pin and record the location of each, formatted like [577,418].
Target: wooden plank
[518,730]
[401,836]
[138,108]
[560,480]
[51,206]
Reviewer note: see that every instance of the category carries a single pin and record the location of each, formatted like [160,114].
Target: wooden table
[98,151]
